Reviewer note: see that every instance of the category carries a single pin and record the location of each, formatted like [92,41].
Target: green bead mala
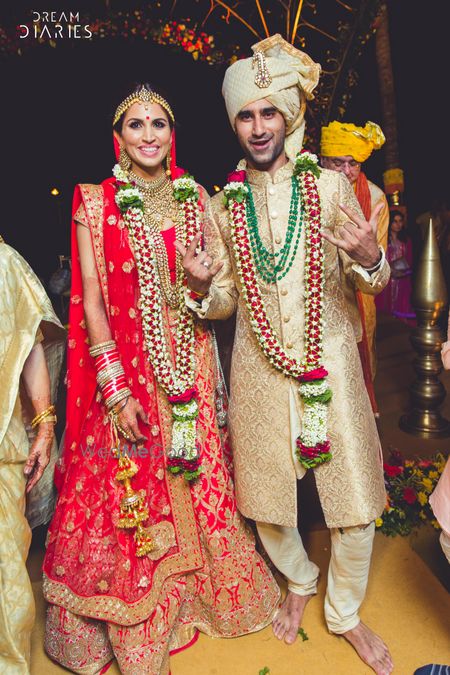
[273,267]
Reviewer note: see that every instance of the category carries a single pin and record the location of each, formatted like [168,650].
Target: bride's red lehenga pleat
[203,573]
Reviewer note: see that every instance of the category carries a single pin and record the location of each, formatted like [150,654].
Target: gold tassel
[133,507]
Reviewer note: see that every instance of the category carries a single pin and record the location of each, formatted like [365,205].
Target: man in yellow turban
[345,147]
[266,259]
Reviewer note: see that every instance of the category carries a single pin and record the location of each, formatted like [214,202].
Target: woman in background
[395,299]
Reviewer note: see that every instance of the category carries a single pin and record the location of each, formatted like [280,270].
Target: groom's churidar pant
[351,550]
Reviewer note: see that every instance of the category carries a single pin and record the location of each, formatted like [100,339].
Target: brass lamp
[429,299]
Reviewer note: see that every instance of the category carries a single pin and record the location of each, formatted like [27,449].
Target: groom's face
[261,131]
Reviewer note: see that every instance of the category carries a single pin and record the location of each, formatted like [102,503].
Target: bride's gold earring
[124,159]
[167,161]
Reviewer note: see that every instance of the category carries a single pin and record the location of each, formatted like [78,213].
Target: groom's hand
[200,269]
[358,238]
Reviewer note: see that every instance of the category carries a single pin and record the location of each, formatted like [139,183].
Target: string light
[54,192]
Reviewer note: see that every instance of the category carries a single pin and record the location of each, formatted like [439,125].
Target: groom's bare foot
[371,648]
[289,617]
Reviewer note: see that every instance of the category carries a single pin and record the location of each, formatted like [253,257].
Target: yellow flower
[433,475]
[378,522]
[435,524]
[422,498]
[422,514]
[428,485]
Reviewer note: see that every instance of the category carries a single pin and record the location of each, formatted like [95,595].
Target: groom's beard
[262,160]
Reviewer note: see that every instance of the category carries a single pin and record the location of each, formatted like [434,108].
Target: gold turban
[280,73]
[340,139]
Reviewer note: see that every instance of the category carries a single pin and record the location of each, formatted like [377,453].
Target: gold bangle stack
[109,373]
[101,348]
[117,397]
[47,416]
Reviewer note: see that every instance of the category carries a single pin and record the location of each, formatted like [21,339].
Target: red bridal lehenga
[203,573]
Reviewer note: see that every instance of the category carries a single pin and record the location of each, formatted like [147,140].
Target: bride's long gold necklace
[159,204]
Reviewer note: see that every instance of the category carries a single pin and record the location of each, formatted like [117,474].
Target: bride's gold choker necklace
[152,185]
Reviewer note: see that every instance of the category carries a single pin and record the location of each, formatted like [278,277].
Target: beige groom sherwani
[265,414]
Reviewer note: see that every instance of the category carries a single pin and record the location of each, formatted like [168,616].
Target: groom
[265,255]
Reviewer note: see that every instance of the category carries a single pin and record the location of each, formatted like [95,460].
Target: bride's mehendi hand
[127,418]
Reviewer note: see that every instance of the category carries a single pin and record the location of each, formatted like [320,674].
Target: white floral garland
[178,381]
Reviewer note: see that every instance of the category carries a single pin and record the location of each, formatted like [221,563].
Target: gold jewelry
[114,416]
[52,419]
[117,396]
[123,431]
[109,373]
[150,187]
[168,171]
[124,159]
[47,413]
[102,348]
[143,96]
[159,203]
[262,77]
[167,161]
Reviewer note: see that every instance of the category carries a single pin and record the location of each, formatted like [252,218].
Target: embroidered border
[93,199]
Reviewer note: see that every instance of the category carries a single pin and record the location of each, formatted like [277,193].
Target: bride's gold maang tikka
[143,96]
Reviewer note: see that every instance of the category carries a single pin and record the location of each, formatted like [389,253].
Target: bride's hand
[127,418]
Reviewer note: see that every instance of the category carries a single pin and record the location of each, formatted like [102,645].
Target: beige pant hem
[343,627]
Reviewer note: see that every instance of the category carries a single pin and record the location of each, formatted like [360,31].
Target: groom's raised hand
[200,269]
[358,237]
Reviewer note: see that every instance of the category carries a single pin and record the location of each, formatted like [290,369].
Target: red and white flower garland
[313,446]
[177,380]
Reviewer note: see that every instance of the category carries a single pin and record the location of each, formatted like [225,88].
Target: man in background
[345,147]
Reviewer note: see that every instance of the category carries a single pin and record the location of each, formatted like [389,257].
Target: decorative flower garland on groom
[313,446]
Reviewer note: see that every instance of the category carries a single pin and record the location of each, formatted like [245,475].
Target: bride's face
[145,136]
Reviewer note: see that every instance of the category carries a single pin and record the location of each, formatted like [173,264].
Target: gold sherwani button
[286,319]
[284,291]
[289,345]
[278,240]
[271,190]
[274,214]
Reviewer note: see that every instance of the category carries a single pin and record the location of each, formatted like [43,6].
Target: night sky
[57,105]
